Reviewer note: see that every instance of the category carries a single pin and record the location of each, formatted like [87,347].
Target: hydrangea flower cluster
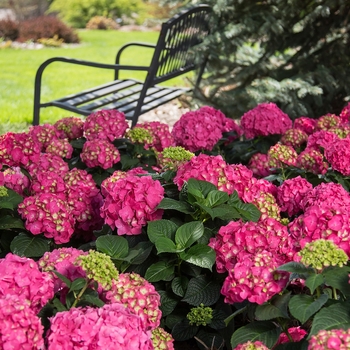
[99,153]
[342,131]
[14,179]
[43,134]
[21,277]
[98,267]
[322,253]
[70,128]
[131,203]
[291,193]
[330,340]
[49,214]
[200,315]
[254,278]
[338,156]
[48,182]
[282,155]
[296,333]
[249,345]
[196,131]
[173,156]
[162,340]
[305,124]
[327,122]
[61,148]
[321,140]
[345,114]
[140,135]
[161,136]
[267,205]
[18,149]
[259,165]
[20,328]
[294,138]
[312,160]
[107,124]
[97,328]
[265,119]
[140,296]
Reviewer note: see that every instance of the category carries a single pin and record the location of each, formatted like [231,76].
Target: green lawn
[18,68]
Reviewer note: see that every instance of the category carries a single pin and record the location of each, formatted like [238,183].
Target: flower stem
[229,319]
[80,294]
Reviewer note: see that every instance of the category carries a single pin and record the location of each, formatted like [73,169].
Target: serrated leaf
[114,246]
[336,316]
[203,187]
[179,285]
[205,209]
[268,312]
[303,306]
[58,305]
[200,255]
[166,245]
[225,212]
[139,253]
[314,281]
[105,230]
[100,177]
[297,268]
[264,331]
[8,222]
[216,198]
[218,320]
[168,303]
[338,278]
[169,203]
[78,284]
[10,201]
[248,212]
[93,300]
[160,271]
[30,246]
[161,228]
[201,290]
[189,233]
[63,278]
[183,330]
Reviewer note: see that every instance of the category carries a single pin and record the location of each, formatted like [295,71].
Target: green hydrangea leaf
[78,284]
[161,228]
[179,285]
[168,302]
[338,278]
[169,203]
[8,222]
[200,255]
[114,246]
[160,271]
[183,331]
[166,245]
[199,186]
[189,233]
[30,246]
[10,201]
[314,281]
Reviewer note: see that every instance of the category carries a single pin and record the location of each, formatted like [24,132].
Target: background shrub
[9,29]
[101,22]
[46,27]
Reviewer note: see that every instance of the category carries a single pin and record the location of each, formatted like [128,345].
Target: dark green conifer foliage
[295,53]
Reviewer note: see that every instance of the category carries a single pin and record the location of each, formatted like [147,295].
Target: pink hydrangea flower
[254,278]
[322,222]
[282,155]
[99,153]
[48,182]
[305,124]
[49,214]
[97,328]
[321,139]
[48,162]
[327,194]
[61,148]
[342,131]
[291,193]
[338,156]
[327,122]
[296,333]
[131,203]
[43,134]
[265,119]
[294,138]
[14,179]
[238,239]
[70,128]
[330,339]
[249,345]
[162,340]
[21,277]
[312,160]
[20,328]
[259,165]
[161,136]
[107,124]
[345,114]
[62,260]
[139,296]
[196,131]
[18,149]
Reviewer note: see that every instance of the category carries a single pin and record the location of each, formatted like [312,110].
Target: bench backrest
[174,55]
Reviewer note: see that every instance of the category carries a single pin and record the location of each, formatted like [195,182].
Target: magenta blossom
[48,182]
[61,148]
[312,160]
[282,155]
[43,134]
[294,138]
[327,122]
[338,156]
[265,119]
[131,203]
[345,114]
[305,124]
[321,139]
[70,128]
[259,165]
[14,179]
[249,345]
[333,339]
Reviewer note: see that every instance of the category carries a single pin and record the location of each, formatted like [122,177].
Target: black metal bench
[174,55]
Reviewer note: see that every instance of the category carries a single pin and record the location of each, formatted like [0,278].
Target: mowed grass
[19,66]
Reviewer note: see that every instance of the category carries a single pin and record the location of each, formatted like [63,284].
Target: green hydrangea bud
[172,157]
[98,267]
[3,191]
[200,316]
[139,135]
[322,253]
